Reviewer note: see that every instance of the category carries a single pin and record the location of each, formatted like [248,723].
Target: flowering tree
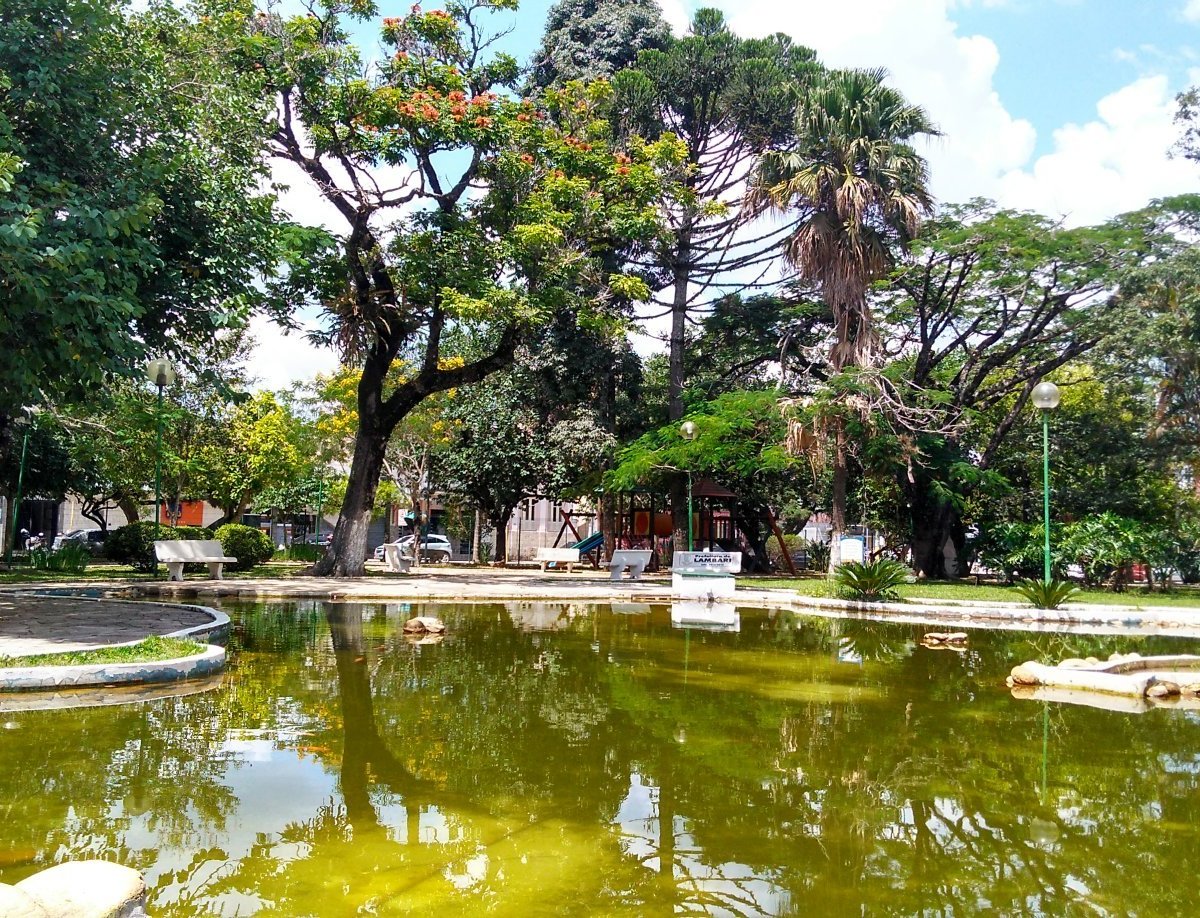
[465,208]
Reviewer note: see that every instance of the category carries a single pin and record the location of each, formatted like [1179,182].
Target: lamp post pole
[16,505]
[1046,398]
[688,431]
[162,374]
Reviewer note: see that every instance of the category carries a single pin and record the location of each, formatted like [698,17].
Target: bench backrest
[188,550]
[707,562]
[629,557]
[558,554]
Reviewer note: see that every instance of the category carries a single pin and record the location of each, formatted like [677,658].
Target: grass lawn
[1135,596]
[149,650]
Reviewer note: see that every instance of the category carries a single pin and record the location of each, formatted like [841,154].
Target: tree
[860,189]
[131,216]
[992,302]
[254,447]
[593,39]
[506,448]
[739,443]
[507,201]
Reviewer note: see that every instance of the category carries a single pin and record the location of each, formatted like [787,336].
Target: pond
[551,759]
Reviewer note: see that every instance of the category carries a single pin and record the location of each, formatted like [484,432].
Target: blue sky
[1058,57]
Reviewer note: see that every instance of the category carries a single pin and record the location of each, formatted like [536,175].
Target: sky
[1060,106]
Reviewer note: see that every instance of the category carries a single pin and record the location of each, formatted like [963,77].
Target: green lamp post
[687,430]
[16,504]
[1046,398]
[160,372]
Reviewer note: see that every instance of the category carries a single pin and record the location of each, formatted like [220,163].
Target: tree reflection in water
[611,765]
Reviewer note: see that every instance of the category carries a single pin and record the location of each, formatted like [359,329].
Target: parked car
[92,539]
[434,548]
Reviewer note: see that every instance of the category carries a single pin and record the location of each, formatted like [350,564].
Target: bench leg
[174,570]
[635,573]
[214,570]
[615,573]
[542,565]
[570,567]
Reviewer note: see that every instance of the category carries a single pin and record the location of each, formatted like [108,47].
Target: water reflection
[555,759]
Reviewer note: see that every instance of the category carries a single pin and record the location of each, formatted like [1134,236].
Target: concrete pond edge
[207,663]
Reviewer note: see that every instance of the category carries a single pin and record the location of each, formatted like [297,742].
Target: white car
[434,548]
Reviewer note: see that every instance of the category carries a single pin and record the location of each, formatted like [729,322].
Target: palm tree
[858,190]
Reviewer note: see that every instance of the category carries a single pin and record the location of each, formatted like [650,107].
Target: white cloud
[1191,11]
[1113,164]
[281,358]
[951,75]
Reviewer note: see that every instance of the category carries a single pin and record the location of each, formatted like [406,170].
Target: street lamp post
[162,374]
[688,431]
[1046,398]
[16,504]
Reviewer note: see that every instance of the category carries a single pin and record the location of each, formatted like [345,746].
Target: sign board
[850,549]
[715,562]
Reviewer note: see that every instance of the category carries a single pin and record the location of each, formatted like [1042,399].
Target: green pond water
[546,759]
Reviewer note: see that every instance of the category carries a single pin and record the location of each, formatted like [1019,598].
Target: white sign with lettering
[715,562]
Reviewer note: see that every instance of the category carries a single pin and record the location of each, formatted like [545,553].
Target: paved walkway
[55,624]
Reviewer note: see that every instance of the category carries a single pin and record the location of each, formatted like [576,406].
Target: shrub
[72,558]
[134,544]
[193,533]
[793,543]
[249,545]
[298,551]
[1046,594]
[818,555]
[873,581]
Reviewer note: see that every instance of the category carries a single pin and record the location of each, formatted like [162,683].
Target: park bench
[175,553]
[395,561]
[634,559]
[567,556]
[705,573]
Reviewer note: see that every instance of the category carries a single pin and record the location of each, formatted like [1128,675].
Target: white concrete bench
[634,559]
[705,574]
[175,553]
[567,556]
[396,562]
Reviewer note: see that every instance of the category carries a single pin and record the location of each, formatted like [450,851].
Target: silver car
[435,548]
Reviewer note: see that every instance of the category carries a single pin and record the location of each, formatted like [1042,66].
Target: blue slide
[589,543]
[595,540]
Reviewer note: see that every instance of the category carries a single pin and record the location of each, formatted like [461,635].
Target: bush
[249,545]
[793,542]
[134,544]
[818,555]
[193,533]
[298,551]
[874,581]
[1046,594]
[72,558]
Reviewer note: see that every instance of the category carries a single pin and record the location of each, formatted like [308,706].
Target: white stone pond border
[89,675]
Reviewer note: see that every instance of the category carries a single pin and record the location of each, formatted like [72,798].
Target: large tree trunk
[348,551]
[679,514]
[837,508]
[476,536]
[679,305]
[130,508]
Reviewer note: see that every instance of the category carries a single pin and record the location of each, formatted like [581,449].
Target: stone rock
[1192,689]
[1022,676]
[944,637]
[17,904]
[1073,663]
[424,624]
[88,889]
[1164,689]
